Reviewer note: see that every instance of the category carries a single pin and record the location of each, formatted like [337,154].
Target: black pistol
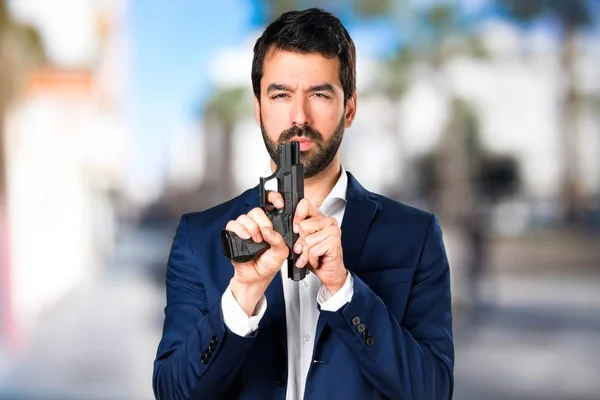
[290,183]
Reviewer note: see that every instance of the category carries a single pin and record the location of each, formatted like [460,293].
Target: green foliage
[395,77]
[524,11]
[21,49]
[227,105]
[572,14]
[364,8]
[442,20]
[372,8]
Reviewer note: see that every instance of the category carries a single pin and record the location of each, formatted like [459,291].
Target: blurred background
[118,116]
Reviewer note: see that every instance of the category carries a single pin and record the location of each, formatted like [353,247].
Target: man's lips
[304,143]
[298,139]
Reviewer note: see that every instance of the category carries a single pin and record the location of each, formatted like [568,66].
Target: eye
[321,95]
[278,96]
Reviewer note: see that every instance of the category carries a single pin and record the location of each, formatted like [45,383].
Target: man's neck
[318,187]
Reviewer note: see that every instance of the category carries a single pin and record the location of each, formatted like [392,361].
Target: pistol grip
[241,250]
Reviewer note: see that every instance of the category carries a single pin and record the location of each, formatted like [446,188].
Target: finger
[278,246]
[312,225]
[304,210]
[304,246]
[298,246]
[319,250]
[304,262]
[319,236]
[238,229]
[302,249]
[275,198]
[258,215]
[251,226]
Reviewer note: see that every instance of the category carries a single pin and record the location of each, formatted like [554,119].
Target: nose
[299,114]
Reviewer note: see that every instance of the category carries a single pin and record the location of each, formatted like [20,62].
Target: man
[372,319]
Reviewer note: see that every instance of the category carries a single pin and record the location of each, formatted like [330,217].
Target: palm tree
[444,37]
[223,111]
[573,16]
[20,50]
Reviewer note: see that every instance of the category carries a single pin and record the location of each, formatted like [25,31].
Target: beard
[315,159]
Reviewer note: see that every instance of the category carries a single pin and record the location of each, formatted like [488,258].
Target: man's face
[302,99]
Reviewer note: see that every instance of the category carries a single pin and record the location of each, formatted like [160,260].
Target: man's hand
[320,244]
[251,279]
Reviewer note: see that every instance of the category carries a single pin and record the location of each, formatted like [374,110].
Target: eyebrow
[324,87]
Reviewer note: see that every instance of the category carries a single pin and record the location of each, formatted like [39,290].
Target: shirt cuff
[335,302]
[236,319]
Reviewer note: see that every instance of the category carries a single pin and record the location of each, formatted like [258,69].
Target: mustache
[296,131]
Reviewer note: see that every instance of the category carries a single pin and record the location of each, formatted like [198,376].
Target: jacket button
[281,381]
[212,346]
[355,321]
[366,334]
[361,328]
[370,341]
[208,353]
[214,340]
[204,359]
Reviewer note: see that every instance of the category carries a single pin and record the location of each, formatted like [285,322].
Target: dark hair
[309,31]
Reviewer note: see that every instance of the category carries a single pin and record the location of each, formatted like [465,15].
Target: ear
[256,110]
[350,111]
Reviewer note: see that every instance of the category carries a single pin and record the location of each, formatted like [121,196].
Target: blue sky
[172,44]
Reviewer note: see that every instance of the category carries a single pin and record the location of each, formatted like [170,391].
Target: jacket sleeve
[198,356]
[412,358]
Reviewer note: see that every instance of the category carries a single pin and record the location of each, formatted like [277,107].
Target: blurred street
[536,337]
[540,339]
[105,335]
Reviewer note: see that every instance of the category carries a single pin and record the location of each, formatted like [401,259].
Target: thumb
[278,246]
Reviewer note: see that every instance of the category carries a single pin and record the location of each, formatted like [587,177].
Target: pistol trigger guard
[267,197]
[269,208]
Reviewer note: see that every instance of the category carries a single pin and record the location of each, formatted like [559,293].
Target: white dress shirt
[300,301]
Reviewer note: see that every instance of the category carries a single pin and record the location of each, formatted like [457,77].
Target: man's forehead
[276,52]
[313,68]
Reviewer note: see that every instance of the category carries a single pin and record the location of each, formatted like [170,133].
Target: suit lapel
[361,206]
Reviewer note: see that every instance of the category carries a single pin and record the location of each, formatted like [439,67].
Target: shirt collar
[340,187]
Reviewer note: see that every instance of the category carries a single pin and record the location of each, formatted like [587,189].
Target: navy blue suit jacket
[401,298]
